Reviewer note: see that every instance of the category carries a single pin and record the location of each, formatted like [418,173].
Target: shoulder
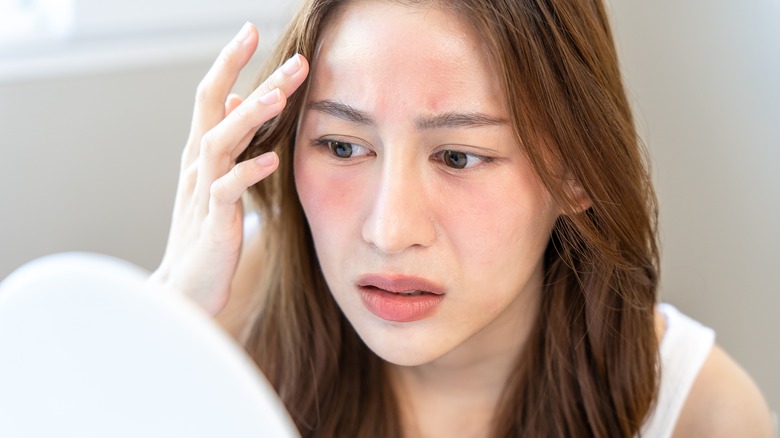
[724,402]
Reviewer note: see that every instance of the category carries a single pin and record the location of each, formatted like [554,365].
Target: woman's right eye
[343,149]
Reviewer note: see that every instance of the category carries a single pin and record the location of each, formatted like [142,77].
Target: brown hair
[590,366]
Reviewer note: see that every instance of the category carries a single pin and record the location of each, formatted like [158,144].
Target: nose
[400,216]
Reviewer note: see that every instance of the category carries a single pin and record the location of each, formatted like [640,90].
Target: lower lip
[399,308]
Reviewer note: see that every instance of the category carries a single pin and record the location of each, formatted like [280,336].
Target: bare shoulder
[244,301]
[724,402]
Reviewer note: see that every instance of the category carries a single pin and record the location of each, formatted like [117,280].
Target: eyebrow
[458,120]
[342,111]
[445,120]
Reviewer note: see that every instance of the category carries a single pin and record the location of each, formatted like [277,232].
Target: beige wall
[705,79]
[89,160]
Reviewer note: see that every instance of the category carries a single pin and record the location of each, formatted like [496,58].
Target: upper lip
[399,283]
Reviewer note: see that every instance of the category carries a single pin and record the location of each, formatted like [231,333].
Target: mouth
[399,298]
[404,285]
[412,293]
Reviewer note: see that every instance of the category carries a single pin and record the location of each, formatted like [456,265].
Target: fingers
[232,102]
[227,190]
[287,78]
[216,156]
[241,146]
[223,124]
[250,114]
[221,145]
[244,119]
[215,86]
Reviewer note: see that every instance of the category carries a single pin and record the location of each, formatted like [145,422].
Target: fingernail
[271,97]
[243,34]
[292,65]
[266,159]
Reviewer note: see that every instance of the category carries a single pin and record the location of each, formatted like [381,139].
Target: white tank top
[684,348]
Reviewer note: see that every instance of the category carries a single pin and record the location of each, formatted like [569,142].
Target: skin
[205,239]
[396,207]
[724,402]
[479,233]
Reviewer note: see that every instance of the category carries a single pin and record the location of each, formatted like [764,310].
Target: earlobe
[578,197]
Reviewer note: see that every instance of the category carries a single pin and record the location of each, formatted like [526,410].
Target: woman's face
[428,222]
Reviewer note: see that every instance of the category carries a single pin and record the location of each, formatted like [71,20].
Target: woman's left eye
[460,160]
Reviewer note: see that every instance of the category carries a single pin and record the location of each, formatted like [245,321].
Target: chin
[401,347]
[406,359]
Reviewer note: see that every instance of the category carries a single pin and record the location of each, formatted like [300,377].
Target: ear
[580,199]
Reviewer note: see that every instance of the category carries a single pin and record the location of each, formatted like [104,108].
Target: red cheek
[325,193]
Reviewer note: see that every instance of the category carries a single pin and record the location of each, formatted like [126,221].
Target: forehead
[385,53]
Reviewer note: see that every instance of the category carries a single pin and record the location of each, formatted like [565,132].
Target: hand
[206,232]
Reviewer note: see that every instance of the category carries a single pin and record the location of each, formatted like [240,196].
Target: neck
[468,382]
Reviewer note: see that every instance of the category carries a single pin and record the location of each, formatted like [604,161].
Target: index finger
[213,90]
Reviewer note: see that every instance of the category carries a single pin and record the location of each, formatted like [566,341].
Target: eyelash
[328,143]
[441,156]
[438,156]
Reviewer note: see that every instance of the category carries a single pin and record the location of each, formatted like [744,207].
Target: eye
[340,149]
[343,149]
[460,160]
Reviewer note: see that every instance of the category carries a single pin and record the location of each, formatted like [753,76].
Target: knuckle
[223,189]
[187,155]
[226,55]
[203,90]
[189,177]
[186,158]
[208,143]
[242,112]
[190,150]
[217,190]
[236,173]
[273,81]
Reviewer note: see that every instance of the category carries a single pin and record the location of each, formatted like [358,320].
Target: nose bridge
[400,216]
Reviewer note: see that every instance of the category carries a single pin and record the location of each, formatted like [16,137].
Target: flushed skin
[562,342]
[396,207]
[595,254]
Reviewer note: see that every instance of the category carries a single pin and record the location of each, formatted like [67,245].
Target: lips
[399,298]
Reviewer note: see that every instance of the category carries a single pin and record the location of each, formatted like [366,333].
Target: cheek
[327,197]
[501,237]
[508,218]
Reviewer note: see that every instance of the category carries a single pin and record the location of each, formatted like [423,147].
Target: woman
[458,232]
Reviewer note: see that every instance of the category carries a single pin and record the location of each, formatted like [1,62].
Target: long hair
[590,367]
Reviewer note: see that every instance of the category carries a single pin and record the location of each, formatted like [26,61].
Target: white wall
[90,146]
